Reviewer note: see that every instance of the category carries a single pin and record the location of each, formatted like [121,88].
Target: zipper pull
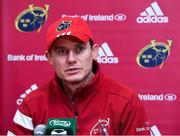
[76,117]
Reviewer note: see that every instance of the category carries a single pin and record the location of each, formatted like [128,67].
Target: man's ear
[95,49]
[49,57]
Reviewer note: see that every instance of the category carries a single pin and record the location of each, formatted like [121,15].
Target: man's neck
[71,88]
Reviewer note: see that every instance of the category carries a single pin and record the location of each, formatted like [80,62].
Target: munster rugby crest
[101,127]
[154,54]
[31,19]
[64,25]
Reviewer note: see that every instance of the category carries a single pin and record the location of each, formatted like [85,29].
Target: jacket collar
[85,90]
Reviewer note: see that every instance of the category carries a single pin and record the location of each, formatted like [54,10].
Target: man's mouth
[72,71]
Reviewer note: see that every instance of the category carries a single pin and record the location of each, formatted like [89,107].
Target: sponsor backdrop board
[139,45]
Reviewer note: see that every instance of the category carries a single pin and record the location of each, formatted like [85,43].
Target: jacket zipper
[77,124]
[75,107]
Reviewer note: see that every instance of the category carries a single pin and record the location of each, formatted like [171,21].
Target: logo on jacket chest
[101,127]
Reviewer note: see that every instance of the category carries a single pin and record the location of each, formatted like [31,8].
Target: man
[79,90]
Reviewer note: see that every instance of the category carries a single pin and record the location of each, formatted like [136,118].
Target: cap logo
[64,25]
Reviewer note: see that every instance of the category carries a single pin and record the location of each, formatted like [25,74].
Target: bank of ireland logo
[154,54]
[152,14]
[105,55]
[31,19]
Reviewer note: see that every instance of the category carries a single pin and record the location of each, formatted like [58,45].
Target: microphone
[61,126]
[40,130]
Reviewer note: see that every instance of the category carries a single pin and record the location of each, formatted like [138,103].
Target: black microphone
[40,130]
[61,126]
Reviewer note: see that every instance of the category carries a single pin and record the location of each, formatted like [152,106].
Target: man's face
[72,59]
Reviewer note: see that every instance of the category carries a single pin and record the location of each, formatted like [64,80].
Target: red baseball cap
[72,26]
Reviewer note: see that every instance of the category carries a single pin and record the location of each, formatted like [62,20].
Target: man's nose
[71,57]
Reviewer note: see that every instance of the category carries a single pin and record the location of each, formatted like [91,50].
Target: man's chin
[73,80]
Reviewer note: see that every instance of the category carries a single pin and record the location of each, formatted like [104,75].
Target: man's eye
[61,51]
[79,49]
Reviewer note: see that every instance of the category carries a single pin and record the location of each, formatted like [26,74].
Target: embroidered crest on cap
[64,25]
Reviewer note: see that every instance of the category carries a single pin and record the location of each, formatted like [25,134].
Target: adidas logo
[105,55]
[152,14]
[28,91]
